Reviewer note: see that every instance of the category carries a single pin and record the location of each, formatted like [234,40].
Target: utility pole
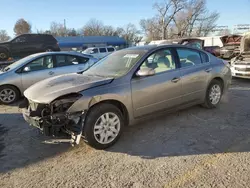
[64,24]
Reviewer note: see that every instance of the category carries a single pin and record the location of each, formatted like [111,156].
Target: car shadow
[21,145]
[192,131]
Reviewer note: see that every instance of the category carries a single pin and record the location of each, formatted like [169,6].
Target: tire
[6,91]
[209,103]
[93,122]
[4,55]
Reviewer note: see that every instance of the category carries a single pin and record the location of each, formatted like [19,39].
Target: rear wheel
[4,55]
[213,95]
[104,125]
[8,94]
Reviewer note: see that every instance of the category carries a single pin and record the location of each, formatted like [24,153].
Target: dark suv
[27,44]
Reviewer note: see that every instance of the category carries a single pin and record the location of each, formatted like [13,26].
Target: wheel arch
[116,103]
[221,80]
[4,85]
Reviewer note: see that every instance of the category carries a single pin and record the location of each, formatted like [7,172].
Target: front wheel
[213,94]
[103,126]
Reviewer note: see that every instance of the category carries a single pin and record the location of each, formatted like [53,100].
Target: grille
[242,69]
[242,63]
[239,74]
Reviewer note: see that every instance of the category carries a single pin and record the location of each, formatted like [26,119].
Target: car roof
[159,46]
[62,53]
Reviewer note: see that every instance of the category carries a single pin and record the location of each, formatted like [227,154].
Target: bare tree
[58,29]
[4,36]
[195,19]
[179,18]
[167,10]
[207,23]
[22,27]
[93,28]
[151,28]
[130,33]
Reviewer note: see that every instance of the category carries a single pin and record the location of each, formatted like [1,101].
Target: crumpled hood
[49,89]
[229,40]
[245,44]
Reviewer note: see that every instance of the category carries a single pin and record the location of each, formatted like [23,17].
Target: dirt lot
[192,148]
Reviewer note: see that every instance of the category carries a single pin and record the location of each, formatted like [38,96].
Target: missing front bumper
[72,126]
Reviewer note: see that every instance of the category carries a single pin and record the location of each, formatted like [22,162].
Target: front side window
[160,61]
[188,57]
[20,39]
[41,63]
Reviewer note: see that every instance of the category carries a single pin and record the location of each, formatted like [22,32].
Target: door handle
[208,70]
[175,80]
[80,68]
[51,73]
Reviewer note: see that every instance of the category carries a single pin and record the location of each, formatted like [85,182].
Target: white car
[99,52]
[240,65]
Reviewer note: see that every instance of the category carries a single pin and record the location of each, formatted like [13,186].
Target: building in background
[83,42]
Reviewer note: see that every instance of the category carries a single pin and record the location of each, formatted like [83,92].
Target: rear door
[37,70]
[195,71]
[70,64]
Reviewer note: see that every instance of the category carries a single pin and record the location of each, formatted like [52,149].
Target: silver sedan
[17,77]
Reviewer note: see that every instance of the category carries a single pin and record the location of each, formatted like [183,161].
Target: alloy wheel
[7,95]
[107,128]
[215,94]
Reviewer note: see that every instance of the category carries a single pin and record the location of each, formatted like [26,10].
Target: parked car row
[121,89]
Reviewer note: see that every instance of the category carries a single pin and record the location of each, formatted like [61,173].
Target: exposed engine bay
[54,119]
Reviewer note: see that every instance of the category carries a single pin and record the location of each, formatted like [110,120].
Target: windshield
[116,64]
[18,63]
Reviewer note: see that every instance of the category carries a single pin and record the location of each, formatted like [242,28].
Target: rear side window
[111,49]
[204,57]
[188,57]
[102,50]
[66,60]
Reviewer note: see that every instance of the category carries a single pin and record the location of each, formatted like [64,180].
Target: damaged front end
[55,119]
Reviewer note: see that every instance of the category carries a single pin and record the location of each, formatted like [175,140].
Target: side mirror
[26,69]
[145,72]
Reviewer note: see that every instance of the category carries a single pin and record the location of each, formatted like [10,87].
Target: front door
[160,91]
[195,71]
[21,47]
[37,70]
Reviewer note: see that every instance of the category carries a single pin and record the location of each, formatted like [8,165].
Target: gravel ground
[195,147]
